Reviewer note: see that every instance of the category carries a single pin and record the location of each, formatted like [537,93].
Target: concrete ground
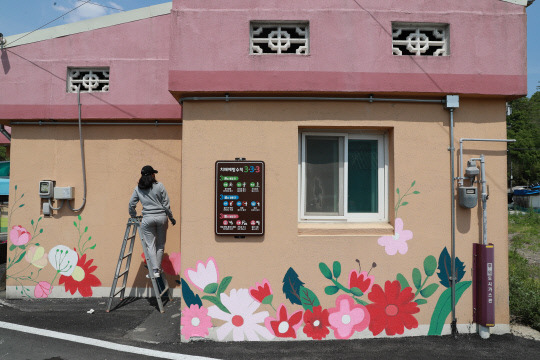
[138,323]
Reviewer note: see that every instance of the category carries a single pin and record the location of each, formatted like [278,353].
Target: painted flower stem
[348,291]
[421,287]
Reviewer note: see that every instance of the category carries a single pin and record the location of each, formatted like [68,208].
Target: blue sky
[19,16]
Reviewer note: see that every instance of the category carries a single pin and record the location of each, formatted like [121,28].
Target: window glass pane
[322,175]
[363,169]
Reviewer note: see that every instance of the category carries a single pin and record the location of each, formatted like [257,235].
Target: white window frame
[345,216]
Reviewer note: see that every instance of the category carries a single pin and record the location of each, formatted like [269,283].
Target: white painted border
[99,343]
[90,24]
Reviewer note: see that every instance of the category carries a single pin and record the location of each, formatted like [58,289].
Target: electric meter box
[63,193]
[468,196]
[46,189]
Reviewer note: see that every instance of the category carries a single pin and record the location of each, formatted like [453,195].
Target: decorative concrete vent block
[420,39]
[88,79]
[279,38]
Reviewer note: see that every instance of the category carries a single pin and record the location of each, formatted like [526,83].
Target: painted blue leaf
[291,286]
[445,268]
[189,297]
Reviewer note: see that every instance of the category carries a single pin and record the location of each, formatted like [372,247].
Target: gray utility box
[468,196]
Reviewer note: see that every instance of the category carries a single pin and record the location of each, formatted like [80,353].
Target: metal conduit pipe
[82,154]
[42,123]
[453,225]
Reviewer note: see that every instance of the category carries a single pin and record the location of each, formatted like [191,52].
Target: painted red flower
[81,278]
[362,281]
[261,291]
[316,323]
[284,326]
[392,309]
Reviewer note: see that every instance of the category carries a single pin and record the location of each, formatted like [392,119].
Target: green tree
[524,126]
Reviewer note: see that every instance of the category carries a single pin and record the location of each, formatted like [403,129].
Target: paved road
[139,324]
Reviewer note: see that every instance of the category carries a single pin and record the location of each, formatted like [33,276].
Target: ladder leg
[131,237]
[118,266]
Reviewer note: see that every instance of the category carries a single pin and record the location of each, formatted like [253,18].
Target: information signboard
[239,197]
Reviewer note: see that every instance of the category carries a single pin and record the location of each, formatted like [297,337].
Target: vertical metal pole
[484,200]
[453,231]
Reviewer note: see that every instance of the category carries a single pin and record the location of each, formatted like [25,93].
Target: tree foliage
[524,126]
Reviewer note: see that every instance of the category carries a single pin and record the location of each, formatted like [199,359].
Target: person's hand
[173,221]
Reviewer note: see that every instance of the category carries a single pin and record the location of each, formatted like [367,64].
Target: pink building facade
[353,111]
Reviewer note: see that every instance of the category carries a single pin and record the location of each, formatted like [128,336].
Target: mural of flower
[261,291]
[81,278]
[392,309]
[242,320]
[362,281]
[63,259]
[347,317]
[204,275]
[36,256]
[284,326]
[316,323]
[42,289]
[195,321]
[19,235]
[398,241]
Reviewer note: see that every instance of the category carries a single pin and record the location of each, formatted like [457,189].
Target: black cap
[148,170]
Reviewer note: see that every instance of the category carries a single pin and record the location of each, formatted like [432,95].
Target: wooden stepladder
[160,285]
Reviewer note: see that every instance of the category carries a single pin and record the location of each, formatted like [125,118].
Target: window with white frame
[420,39]
[88,79]
[279,37]
[343,176]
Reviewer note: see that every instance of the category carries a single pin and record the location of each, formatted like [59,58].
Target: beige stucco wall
[419,142]
[114,157]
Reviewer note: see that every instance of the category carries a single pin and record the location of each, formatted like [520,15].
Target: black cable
[75,8]
[105,6]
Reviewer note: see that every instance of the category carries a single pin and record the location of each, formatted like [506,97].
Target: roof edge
[519,2]
[88,25]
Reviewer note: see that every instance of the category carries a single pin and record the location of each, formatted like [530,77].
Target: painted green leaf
[224,284]
[93,247]
[41,217]
[32,222]
[86,229]
[268,300]
[416,192]
[444,307]
[325,271]
[21,205]
[420,301]
[79,217]
[404,203]
[15,187]
[37,244]
[291,286]
[331,290]
[22,195]
[404,283]
[75,223]
[417,278]
[429,290]
[211,288]
[430,265]
[397,190]
[40,231]
[89,238]
[445,268]
[360,301]
[356,291]
[337,269]
[308,298]
[414,182]
[20,257]
[214,300]
[12,247]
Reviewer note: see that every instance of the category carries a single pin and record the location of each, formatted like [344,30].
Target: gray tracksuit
[156,209]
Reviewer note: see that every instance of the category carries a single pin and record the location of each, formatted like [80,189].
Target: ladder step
[122,273]
[119,291]
[130,237]
[128,254]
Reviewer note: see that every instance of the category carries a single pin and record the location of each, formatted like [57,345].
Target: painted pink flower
[171,263]
[398,241]
[19,236]
[42,289]
[362,281]
[36,256]
[204,275]
[284,326]
[347,317]
[195,321]
[261,291]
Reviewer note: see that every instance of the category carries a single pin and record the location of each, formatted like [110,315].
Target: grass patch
[524,277]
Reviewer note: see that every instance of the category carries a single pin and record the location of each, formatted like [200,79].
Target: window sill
[344,229]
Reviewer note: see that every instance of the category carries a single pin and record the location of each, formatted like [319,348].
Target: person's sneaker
[156,275]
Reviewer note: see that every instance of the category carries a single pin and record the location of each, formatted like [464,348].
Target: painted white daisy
[242,321]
